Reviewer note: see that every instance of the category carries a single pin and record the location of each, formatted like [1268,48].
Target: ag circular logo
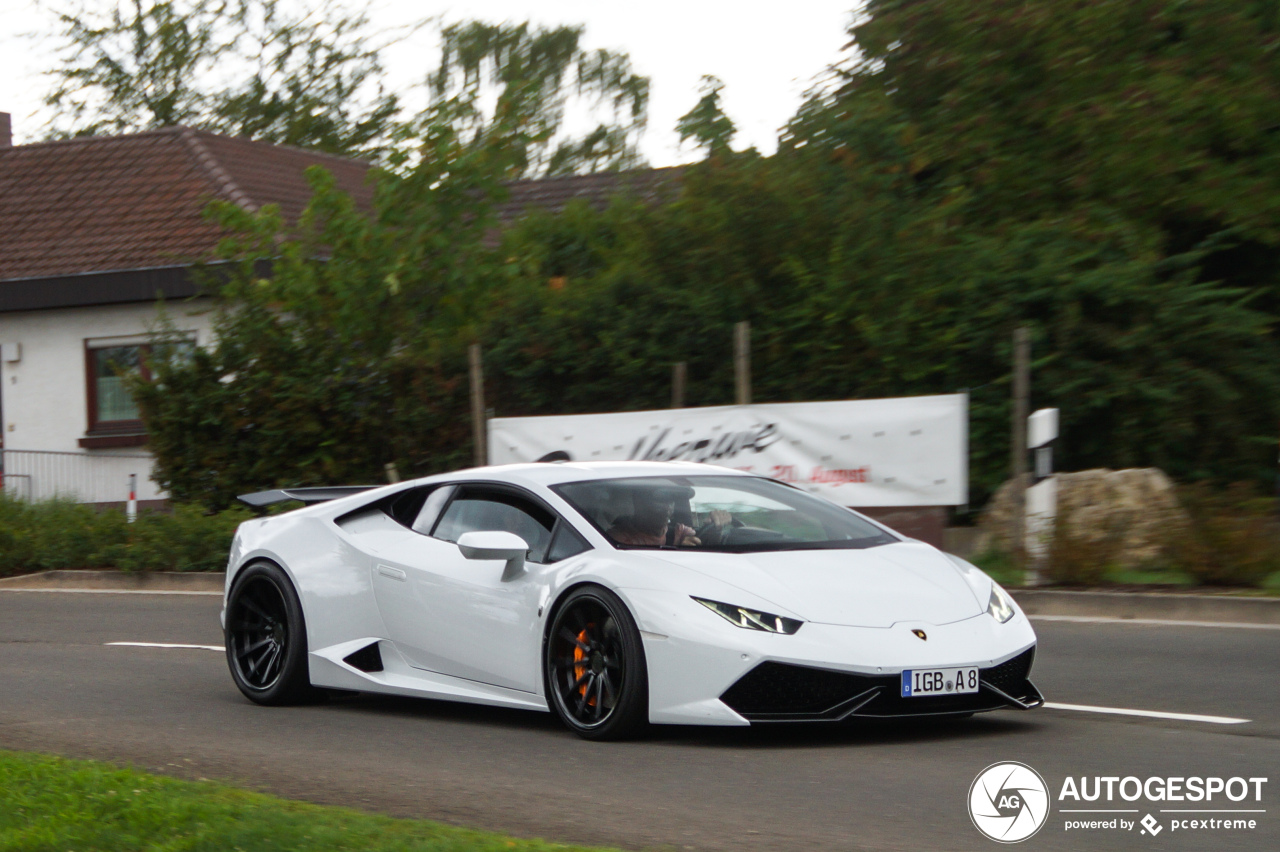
[1008,802]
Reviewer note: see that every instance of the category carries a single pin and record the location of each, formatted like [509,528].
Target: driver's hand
[720,518]
[690,541]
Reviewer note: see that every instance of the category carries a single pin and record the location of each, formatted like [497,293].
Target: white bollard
[131,508]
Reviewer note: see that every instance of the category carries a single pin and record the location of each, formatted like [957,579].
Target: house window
[114,419]
[111,366]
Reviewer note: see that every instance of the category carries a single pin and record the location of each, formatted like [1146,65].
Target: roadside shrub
[186,539]
[1232,539]
[15,543]
[59,534]
[64,534]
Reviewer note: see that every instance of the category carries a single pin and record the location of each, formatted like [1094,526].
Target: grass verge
[48,803]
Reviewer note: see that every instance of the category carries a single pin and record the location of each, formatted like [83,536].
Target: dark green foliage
[186,539]
[328,369]
[855,296]
[58,534]
[706,124]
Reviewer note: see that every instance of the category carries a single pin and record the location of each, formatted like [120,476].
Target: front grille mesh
[1009,676]
[774,691]
[781,688]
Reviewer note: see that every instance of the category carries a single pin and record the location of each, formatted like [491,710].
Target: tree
[243,67]
[1162,112]
[706,124]
[341,342]
[901,233]
[531,74]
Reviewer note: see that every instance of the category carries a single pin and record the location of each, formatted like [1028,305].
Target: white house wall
[43,392]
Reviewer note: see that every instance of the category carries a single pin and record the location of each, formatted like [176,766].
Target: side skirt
[328,668]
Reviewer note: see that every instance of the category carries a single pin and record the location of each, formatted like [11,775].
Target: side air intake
[367,659]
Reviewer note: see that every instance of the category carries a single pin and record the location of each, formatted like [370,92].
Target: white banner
[909,451]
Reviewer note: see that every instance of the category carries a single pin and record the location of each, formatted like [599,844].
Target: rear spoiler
[262,499]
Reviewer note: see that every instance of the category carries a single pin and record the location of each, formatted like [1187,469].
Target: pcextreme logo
[1008,802]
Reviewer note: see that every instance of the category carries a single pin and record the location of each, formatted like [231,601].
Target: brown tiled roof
[656,186]
[115,203]
[97,204]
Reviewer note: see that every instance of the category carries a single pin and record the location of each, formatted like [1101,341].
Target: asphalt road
[863,786]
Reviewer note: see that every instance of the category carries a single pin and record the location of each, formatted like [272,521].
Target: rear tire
[266,638]
[594,670]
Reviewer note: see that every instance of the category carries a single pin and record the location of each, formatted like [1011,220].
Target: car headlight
[1000,606]
[752,619]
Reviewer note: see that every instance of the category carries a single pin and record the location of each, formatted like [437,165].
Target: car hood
[876,587]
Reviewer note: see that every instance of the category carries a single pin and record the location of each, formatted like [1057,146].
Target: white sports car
[615,595]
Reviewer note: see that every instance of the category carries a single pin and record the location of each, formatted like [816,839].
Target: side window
[476,509]
[405,506]
[431,507]
[566,543]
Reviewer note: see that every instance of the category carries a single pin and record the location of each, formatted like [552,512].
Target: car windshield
[733,514]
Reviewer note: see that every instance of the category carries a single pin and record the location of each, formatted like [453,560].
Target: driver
[652,522]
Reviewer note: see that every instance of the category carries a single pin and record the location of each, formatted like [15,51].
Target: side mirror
[496,544]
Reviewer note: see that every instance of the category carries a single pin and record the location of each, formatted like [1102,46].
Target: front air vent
[367,659]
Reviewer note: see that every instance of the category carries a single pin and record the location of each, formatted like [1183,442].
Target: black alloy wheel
[266,638]
[595,672]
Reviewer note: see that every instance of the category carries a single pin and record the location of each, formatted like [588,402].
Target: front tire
[266,638]
[594,668]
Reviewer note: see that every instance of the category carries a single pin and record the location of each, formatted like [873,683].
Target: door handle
[393,573]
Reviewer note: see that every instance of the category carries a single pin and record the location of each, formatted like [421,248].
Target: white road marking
[167,645]
[1163,622]
[1150,714]
[109,592]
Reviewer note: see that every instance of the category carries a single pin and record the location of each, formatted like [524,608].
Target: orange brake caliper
[580,664]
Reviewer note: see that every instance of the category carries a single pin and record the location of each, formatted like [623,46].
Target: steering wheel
[722,533]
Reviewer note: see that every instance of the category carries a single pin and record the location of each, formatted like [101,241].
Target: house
[93,230]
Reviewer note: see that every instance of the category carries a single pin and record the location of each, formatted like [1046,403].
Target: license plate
[920,683]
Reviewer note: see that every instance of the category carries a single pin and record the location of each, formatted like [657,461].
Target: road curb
[1149,605]
[118,581]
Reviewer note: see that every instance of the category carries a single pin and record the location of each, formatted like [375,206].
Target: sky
[767,54]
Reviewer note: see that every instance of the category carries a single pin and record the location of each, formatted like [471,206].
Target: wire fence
[81,477]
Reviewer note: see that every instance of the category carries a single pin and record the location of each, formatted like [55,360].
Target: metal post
[679,372]
[478,431]
[131,508]
[742,362]
[1021,392]
[393,475]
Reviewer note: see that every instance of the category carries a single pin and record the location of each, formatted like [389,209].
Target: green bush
[59,534]
[15,543]
[1233,538]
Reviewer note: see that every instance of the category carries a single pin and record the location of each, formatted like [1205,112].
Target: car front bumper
[703,670]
